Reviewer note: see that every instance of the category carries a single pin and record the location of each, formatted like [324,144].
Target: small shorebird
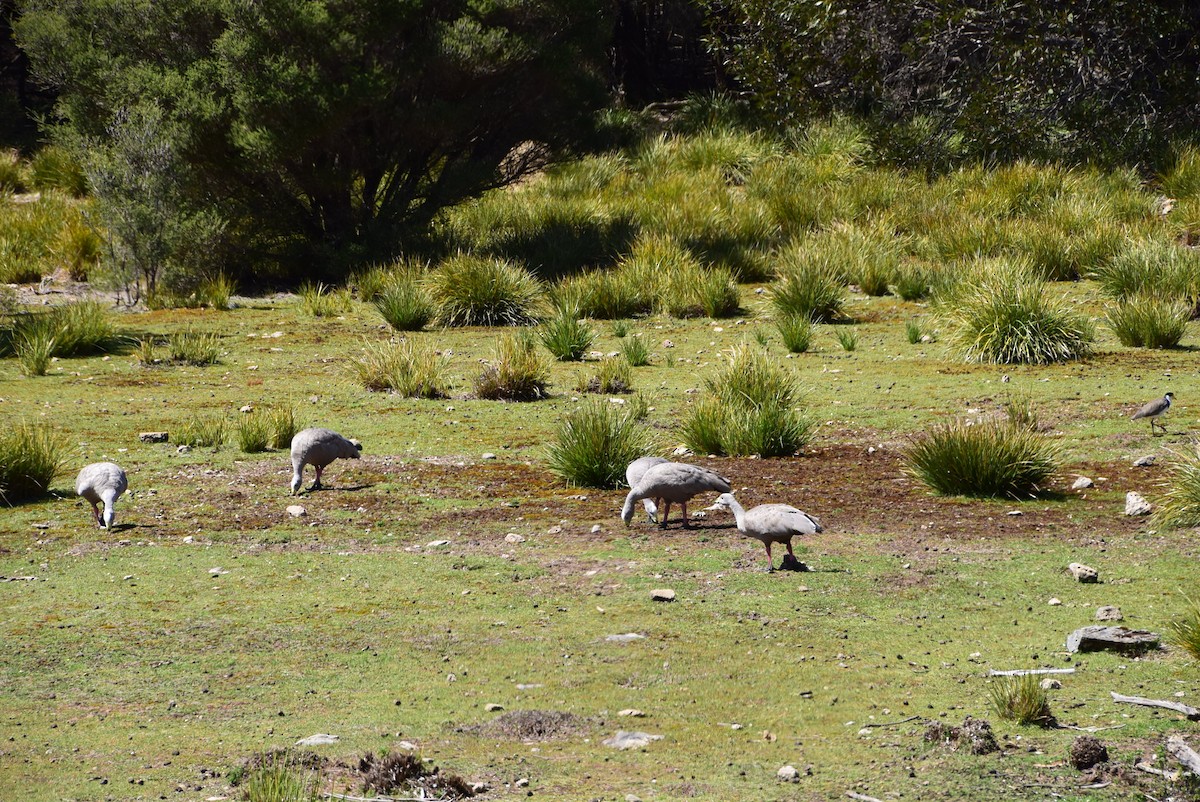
[1154,410]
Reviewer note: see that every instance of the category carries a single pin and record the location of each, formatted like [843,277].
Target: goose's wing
[781,519]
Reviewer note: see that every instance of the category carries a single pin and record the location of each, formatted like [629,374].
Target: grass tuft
[592,446]
[807,287]
[797,332]
[321,300]
[35,348]
[253,432]
[848,339]
[1180,505]
[635,351]
[404,367]
[566,336]
[32,456]
[1184,631]
[989,459]
[476,291]
[403,301]
[202,432]
[517,373]
[1021,699]
[613,376]
[1148,320]
[281,423]
[194,348]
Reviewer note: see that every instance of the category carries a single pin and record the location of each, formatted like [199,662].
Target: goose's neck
[739,513]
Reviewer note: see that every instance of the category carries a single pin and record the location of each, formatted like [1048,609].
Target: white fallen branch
[1146,767]
[1020,672]
[1193,713]
[1178,749]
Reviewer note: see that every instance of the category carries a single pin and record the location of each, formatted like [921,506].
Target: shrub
[194,348]
[1149,321]
[32,456]
[797,332]
[476,291]
[1180,505]
[408,369]
[592,446]
[1184,632]
[566,336]
[848,339]
[321,300]
[988,459]
[518,371]
[1004,315]
[281,423]
[202,432]
[404,303]
[807,287]
[253,432]
[635,351]
[1021,699]
[613,375]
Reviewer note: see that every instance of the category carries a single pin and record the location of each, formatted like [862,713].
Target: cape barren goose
[319,447]
[634,473]
[1155,410]
[102,483]
[770,523]
[673,481]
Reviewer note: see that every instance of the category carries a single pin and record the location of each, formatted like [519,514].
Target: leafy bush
[748,408]
[797,332]
[1021,699]
[404,303]
[321,300]
[988,459]
[807,286]
[566,336]
[202,432]
[253,432]
[194,348]
[32,455]
[405,367]
[613,375]
[476,291]
[1180,505]
[635,351]
[1004,315]
[1149,321]
[592,446]
[1184,631]
[517,373]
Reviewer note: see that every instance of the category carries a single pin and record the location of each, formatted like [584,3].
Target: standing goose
[319,447]
[1154,410]
[770,523]
[102,483]
[673,481]
[633,475]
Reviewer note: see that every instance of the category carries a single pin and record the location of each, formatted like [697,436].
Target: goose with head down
[675,482]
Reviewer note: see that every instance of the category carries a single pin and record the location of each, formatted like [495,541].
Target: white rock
[662,595]
[488,455]
[247,409]
[595,528]
[183,449]
[1136,505]
[1083,573]
[632,712]
[682,451]
[788,774]
[218,571]
[320,739]
[1082,483]
[1050,684]
[437,544]
[1054,602]
[513,537]
[296,511]
[1145,461]
[630,740]
[625,638]
[492,707]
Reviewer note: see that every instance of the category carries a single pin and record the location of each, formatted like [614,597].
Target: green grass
[808,286]
[475,291]
[196,348]
[1021,699]
[32,455]
[613,376]
[635,351]
[984,459]
[402,301]
[322,300]
[566,336]
[517,371]
[797,332]
[34,348]
[1180,504]
[1149,321]
[204,431]
[593,444]
[848,339]
[1184,630]
[252,431]
[406,367]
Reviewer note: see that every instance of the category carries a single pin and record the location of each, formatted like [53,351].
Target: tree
[325,131]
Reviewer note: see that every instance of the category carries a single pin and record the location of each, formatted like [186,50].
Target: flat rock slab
[630,740]
[1083,573]
[1109,613]
[1082,483]
[1135,504]
[1118,639]
[153,437]
[662,595]
[320,739]
[627,637]
[296,511]
[1145,462]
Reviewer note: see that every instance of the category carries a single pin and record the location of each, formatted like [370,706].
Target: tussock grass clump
[696,291]
[1180,504]
[592,446]
[913,332]
[215,291]
[913,281]
[281,423]
[848,339]
[12,175]
[603,295]
[404,303]
[987,460]
[613,375]
[566,336]
[517,372]
[1003,314]
[1021,699]
[368,284]
[1149,321]
[282,781]
[748,408]
[54,167]
[74,329]
[808,286]
[1152,267]
[253,432]
[797,332]
[207,431]
[477,291]
[1184,631]
[1020,411]
[34,347]
[196,348]
[322,300]
[79,247]
[404,367]
[32,456]
[635,351]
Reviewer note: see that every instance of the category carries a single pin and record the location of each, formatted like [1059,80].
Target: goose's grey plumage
[319,447]
[634,473]
[673,482]
[770,523]
[1155,410]
[102,483]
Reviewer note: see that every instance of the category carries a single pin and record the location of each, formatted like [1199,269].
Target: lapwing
[1154,410]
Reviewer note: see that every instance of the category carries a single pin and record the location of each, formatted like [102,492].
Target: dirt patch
[532,725]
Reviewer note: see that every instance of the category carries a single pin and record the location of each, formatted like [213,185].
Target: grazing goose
[102,483]
[1154,410]
[319,447]
[633,475]
[673,481]
[770,523]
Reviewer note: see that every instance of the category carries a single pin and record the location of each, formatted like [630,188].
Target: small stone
[632,798]
[183,449]
[1054,602]
[1083,573]
[682,451]
[487,455]
[595,528]
[1109,613]
[218,571]
[493,707]
[437,544]
[628,637]
[1087,751]
[522,783]
[1050,684]
[630,740]
[247,409]
[1082,483]
[632,712]
[153,437]
[662,595]
[554,530]
[668,344]
[296,511]
[788,774]
[926,338]
[1136,505]
[320,739]
[513,537]
[1145,462]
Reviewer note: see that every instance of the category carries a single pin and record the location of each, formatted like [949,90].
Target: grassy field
[149,661]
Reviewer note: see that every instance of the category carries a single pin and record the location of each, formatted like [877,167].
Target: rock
[296,511]
[1082,483]
[630,740]
[320,739]
[632,798]
[1109,613]
[522,783]
[488,455]
[662,595]
[788,774]
[682,451]
[628,637]
[554,530]
[513,537]
[1054,602]
[183,449]
[1095,638]
[1136,505]
[493,707]
[595,528]
[1083,573]
[1050,684]
[632,712]
[247,409]
[437,544]
[218,571]
[1144,462]
[153,437]
[668,344]
[1087,751]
